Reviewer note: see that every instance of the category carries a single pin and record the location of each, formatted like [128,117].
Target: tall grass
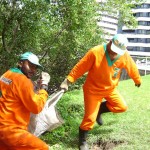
[122,131]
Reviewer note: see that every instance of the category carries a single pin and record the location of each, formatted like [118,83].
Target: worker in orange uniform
[17,100]
[104,64]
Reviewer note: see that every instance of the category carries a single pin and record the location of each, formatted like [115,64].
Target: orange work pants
[115,103]
[18,139]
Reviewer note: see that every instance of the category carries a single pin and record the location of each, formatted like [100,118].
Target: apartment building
[139,38]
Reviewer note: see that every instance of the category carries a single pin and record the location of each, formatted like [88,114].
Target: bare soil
[105,145]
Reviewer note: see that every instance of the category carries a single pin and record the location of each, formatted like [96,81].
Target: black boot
[82,140]
[103,109]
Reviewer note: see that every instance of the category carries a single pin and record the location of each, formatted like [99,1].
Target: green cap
[31,58]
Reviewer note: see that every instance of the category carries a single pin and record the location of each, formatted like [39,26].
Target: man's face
[28,68]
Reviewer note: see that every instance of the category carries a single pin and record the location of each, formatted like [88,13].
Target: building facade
[139,38]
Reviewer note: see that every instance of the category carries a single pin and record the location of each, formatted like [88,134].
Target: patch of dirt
[105,145]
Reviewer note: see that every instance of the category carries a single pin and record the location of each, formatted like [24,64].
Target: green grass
[122,131]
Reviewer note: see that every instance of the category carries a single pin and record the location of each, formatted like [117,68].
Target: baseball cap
[119,44]
[31,58]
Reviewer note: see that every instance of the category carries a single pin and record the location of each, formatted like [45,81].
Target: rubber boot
[103,109]
[82,140]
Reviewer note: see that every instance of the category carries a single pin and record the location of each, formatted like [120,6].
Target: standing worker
[17,100]
[104,64]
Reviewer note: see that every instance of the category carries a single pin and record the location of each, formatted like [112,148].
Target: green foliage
[78,22]
[60,32]
[21,29]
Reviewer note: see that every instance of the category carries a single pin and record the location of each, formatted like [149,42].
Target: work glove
[44,80]
[64,85]
[138,85]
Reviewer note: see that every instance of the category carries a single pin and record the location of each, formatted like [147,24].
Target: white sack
[48,119]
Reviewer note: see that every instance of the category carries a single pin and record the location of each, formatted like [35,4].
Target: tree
[21,28]
[58,31]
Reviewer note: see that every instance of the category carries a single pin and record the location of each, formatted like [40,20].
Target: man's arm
[132,70]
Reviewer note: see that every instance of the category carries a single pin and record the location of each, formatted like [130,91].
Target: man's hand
[138,85]
[44,80]
[64,85]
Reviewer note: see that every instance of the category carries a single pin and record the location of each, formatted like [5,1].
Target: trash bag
[48,119]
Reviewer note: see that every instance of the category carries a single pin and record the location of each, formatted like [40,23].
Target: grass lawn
[122,131]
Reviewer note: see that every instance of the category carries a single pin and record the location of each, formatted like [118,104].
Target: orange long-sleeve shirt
[103,74]
[18,99]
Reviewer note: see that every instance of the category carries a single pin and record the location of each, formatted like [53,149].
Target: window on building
[139,40]
[134,48]
[141,31]
[143,14]
[143,6]
[131,40]
[137,14]
[147,49]
[147,40]
[148,23]
[148,32]
[143,23]
[140,49]
[129,31]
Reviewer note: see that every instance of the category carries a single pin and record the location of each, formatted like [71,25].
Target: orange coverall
[17,100]
[101,81]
